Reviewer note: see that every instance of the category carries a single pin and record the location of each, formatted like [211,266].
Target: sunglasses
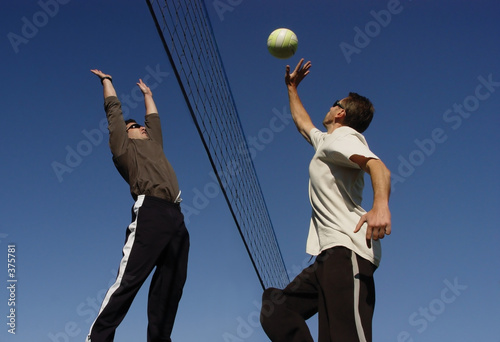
[337,103]
[133,126]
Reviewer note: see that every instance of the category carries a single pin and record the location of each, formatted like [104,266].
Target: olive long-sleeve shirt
[142,163]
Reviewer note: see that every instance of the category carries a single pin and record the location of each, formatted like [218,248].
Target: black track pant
[339,287]
[157,237]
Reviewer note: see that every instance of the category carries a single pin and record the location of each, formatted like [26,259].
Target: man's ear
[340,116]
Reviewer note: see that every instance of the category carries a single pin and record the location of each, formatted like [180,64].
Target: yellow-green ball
[282,43]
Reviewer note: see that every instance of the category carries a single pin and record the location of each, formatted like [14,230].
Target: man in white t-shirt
[339,285]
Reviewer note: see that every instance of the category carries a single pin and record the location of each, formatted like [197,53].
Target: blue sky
[430,68]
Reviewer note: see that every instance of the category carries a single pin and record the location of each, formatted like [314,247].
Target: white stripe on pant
[127,248]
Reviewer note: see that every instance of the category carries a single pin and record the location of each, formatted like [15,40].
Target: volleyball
[282,43]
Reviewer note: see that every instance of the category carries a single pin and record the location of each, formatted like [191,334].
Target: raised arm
[148,98]
[299,114]
[378,219]
[106,81]
[152,122]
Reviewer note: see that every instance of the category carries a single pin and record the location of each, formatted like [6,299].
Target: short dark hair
[359,112]
[130,121]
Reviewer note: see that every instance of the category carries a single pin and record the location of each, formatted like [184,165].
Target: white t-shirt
[335,191]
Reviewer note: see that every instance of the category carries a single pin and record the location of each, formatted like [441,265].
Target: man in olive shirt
[157,236]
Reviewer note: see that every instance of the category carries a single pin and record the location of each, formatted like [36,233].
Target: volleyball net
[187,36]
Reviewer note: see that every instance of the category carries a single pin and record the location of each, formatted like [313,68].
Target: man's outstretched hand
[298,74]
[144,88]
[100,74]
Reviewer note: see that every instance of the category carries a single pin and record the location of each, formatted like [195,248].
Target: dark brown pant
[339,287]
